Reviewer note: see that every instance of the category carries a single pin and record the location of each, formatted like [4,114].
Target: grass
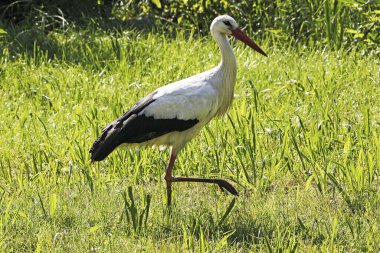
[301,143]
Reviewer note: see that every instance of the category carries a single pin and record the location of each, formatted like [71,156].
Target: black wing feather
[134,128]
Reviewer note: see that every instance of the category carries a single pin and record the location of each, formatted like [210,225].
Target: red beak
[240,35]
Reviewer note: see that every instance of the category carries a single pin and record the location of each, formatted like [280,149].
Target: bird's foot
[224,185]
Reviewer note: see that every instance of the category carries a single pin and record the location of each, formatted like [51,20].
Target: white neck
[226,72]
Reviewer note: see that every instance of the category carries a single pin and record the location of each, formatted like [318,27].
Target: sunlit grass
[301,143]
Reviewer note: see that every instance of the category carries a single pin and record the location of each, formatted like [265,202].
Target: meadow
[301,143]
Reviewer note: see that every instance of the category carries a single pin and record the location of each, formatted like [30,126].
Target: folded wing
[135,126]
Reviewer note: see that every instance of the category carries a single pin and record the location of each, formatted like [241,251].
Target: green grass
[301,143]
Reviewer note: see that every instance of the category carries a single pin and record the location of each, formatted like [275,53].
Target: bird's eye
[227,23]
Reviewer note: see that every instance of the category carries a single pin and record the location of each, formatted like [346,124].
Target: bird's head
[227,25]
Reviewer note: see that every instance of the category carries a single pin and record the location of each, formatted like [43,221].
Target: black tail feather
[102,147]
[109,140]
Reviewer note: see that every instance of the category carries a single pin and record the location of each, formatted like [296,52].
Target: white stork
[173,114]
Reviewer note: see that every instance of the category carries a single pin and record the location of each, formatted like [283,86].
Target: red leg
[224,185]
[169,176]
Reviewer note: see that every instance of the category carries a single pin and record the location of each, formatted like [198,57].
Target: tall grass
[352,25]
[301,143]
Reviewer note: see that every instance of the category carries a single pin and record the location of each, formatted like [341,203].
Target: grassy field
[301,143]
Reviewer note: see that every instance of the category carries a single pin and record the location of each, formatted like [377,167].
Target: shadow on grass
[35,41]
[43,30]
[241,229]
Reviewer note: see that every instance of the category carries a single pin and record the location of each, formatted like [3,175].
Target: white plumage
[173,114]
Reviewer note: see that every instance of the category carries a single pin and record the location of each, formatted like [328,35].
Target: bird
[174,114]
